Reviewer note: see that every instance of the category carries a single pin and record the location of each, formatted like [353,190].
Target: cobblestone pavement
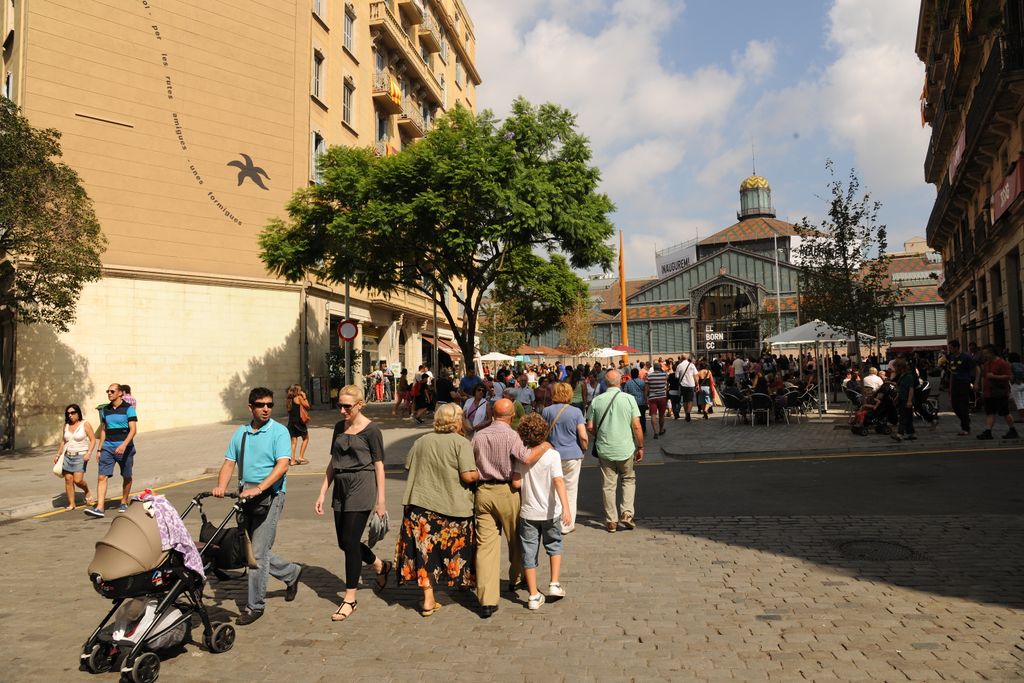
[710,596]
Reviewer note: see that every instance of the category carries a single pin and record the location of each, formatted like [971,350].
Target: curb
[825,452]
[27,509]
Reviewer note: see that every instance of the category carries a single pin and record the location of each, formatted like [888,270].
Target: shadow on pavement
[948,525]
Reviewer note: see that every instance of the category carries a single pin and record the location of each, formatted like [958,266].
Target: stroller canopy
[131,546]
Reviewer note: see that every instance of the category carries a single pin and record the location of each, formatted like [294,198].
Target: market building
[741,288]
[191,124]
[973,53]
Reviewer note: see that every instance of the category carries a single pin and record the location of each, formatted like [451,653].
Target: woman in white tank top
[77,443]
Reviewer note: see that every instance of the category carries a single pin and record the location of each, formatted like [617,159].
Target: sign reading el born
[710,337]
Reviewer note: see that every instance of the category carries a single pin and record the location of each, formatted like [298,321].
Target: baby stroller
[155,595]
[881,418]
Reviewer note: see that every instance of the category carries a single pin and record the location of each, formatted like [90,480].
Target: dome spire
[755,196]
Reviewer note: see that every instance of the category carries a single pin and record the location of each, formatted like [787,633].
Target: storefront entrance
[727,321]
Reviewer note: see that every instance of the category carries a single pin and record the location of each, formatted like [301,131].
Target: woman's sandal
[90,502]
[382,576]
[338,616]
[428,612]
[69,508]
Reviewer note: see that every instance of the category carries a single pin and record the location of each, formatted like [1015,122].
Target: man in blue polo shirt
[265,449]
[118,424]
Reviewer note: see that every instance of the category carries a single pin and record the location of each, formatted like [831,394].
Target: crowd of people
[504,456]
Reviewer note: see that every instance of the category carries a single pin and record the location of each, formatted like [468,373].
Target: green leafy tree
[50,239]
[448,216]
[536,293]
[844,268]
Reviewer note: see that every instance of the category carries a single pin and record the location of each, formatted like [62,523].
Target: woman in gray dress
[356,470]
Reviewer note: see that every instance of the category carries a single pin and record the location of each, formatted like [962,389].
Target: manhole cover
[876,550]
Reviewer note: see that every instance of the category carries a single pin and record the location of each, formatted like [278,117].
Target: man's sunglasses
[111,391]
[346,406]
[263,405]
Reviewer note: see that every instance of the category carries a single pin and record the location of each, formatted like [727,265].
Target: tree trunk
[8,376]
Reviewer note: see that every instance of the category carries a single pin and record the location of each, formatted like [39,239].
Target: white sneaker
[535,601]
[555,590]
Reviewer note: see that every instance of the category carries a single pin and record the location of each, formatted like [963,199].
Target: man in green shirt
[614,420]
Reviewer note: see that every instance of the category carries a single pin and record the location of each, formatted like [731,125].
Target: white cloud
[758,60]
[638,165]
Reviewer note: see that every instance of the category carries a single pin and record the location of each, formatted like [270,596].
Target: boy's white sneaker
[535,601]
[555,590]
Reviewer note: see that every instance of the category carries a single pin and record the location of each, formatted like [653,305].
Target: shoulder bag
[600,422]
[303,414]
[256,509]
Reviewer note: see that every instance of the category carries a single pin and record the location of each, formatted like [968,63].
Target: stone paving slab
[710,598]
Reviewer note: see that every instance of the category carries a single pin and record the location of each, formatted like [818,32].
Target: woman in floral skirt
[435,546]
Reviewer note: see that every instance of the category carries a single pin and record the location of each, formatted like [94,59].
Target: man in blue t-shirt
[468,383]
[118,425]
[265,449]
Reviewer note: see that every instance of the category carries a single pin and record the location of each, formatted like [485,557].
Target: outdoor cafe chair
[732,405]
[794,405]
[761,403]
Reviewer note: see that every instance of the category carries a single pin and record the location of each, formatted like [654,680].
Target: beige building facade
[973,52]
[191,123]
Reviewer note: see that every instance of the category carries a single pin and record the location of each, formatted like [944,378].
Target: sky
[673,95]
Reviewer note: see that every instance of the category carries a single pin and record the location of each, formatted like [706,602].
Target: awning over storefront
[932,344]
[446,345]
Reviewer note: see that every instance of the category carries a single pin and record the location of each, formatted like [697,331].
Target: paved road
[738,571]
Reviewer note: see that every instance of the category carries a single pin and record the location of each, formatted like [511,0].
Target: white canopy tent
[495,356]
[816,332]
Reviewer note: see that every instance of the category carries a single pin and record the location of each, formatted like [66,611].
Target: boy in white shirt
[542,513]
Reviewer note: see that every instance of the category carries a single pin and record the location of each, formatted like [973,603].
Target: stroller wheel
[99,661]
[146,668]
[222,639]
[887,429]
[863,431]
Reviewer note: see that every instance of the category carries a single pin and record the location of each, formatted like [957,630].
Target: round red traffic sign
[347,330]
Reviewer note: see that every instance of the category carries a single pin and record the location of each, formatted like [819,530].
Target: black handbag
[255,509]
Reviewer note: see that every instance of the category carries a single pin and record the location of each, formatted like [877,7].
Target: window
[9,86]
[425,111]
[458,71]
[382,127]
[348,90]
[444,45]
[380,61]
[318,8]
[425,54]
[350,31]
[318,69]
[444,90]
[318,147]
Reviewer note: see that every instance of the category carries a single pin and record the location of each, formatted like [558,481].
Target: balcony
[410,120]
[944,123]
[383,148]
[993,107]
[412,9]
[386,92]
[383,23]
[430,36]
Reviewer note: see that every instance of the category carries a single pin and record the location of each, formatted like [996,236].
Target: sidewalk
[28,488]
[812,435]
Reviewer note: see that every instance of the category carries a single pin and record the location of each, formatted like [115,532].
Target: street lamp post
[778,284]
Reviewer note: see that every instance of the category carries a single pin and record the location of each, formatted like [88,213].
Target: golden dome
[754,182]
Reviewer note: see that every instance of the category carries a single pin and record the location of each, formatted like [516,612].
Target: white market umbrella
[813,332]
[495,356]
[605,352]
